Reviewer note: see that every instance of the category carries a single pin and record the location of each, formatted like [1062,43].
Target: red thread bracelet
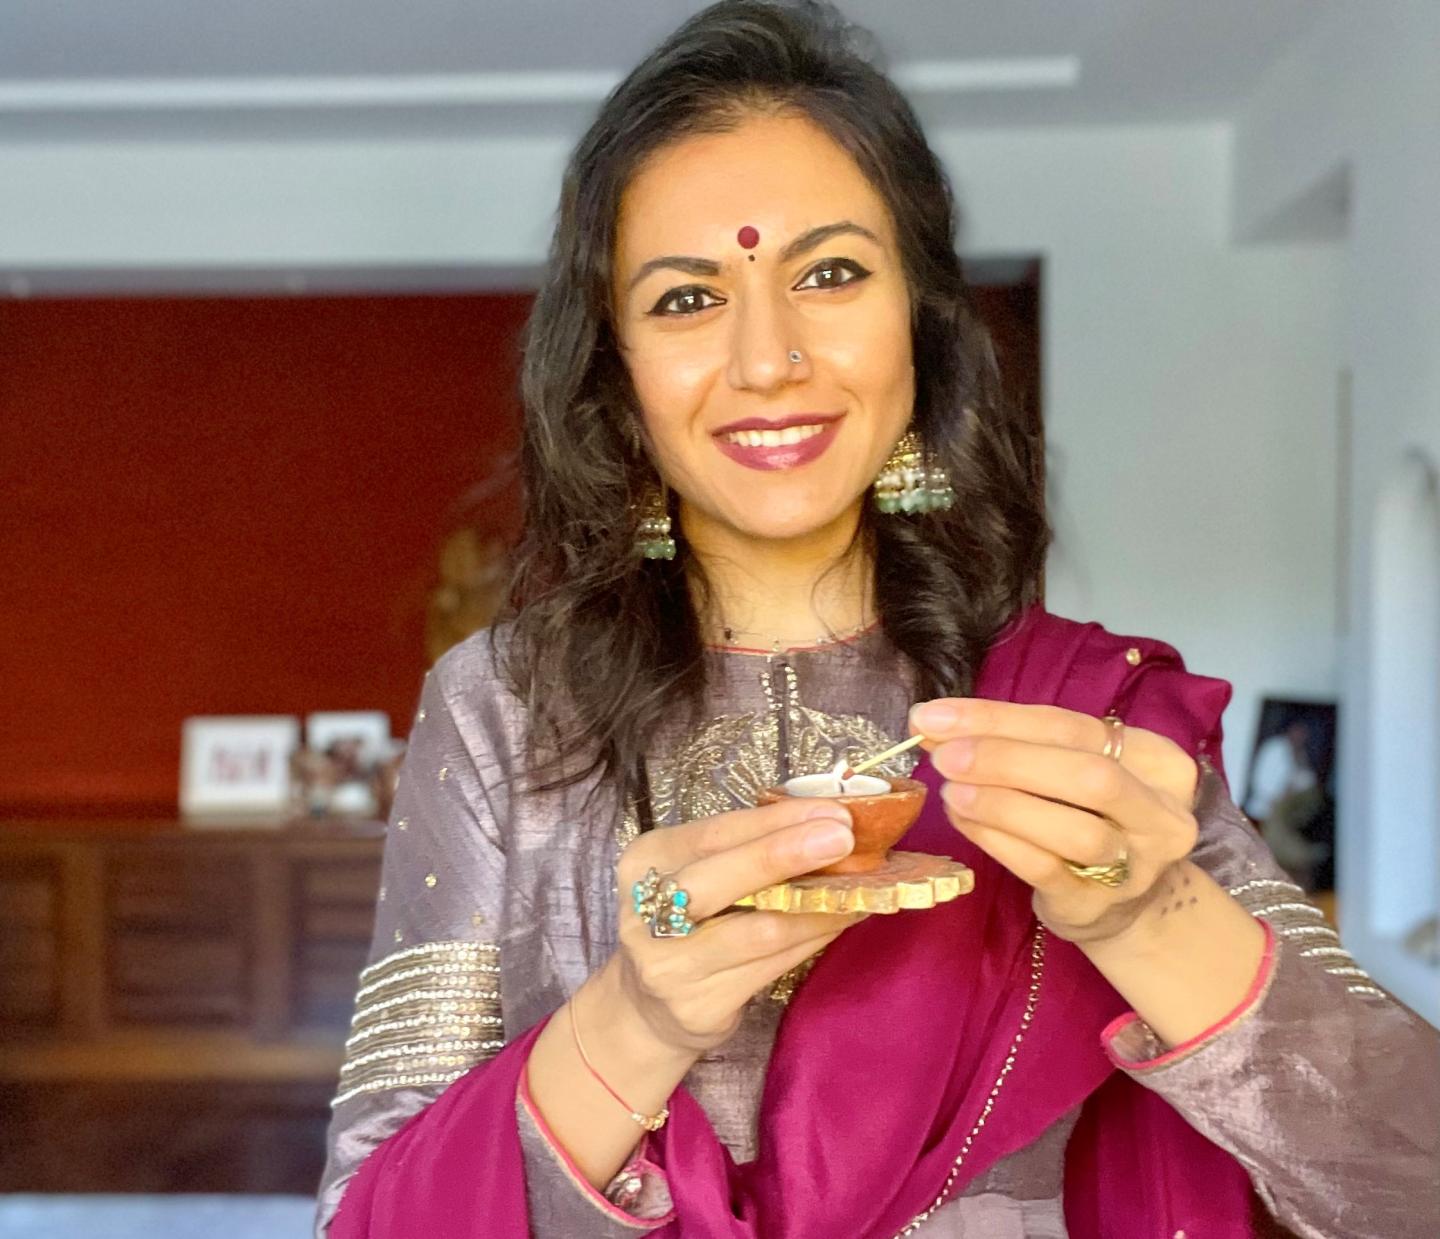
[650,1122]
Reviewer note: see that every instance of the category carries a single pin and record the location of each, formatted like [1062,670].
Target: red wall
[225,506]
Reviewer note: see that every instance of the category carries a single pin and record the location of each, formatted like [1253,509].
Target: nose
[765,334]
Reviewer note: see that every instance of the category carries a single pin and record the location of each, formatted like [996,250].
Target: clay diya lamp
[882,810]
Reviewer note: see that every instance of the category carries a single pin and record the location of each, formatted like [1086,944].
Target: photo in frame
[237,764]
[368,731]
[348,765]
[1290,787]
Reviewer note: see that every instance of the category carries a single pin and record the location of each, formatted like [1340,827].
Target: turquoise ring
[665,905]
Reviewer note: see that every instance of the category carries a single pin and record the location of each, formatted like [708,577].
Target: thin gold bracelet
[650,1122]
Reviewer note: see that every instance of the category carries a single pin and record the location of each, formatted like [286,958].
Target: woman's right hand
[690,990]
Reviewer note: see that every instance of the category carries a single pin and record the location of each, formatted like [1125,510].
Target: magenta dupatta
[889,1052]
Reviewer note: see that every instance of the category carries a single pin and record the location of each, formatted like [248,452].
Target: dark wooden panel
[29,993]
[29,942]
[28,893]
[345,882]
[173,1002]
[162,1138]
[346,924]
[160,976]
[338,912]
[178,886]
[178,935]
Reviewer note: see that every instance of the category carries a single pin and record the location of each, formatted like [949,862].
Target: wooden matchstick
[893,751]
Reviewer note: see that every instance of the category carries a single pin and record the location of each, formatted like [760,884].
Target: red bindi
[748,237]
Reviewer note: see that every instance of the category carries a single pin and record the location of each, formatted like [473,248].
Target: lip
[785,455]
[784,423]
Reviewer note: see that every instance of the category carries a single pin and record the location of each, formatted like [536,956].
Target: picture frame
[1290,790]
[370,727]
[233,765]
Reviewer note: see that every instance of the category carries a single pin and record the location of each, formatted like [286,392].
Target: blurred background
[263,269]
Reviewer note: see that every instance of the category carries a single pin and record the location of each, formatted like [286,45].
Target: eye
[833,273]
[688,300]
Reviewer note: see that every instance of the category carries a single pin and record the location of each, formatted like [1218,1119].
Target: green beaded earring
[910,483]
[652,535]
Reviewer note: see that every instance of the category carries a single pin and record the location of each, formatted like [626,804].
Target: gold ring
[1115,873]
[1111,875]
[1115,741]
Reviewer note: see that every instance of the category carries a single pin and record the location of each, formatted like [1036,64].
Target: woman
[774,502]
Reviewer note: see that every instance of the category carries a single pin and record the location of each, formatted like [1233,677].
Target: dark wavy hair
[603,644]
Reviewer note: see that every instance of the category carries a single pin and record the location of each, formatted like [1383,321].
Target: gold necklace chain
[1032,1000]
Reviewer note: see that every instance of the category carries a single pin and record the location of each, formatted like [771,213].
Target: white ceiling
[348,68]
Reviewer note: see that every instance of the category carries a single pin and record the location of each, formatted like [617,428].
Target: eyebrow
[802,244]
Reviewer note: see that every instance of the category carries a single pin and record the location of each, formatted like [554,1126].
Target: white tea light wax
[832,785]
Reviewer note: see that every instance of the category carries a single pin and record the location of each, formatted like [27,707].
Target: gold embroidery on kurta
[784,986]
[629,829]
[725,763]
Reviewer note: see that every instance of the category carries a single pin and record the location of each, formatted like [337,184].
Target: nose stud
[796,357]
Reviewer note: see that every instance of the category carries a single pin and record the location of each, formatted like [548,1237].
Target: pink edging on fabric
[1252,997]
[639,1164]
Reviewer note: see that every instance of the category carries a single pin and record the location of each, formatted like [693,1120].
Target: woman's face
[734,249]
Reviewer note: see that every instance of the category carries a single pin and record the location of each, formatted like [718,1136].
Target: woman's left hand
[1028,785]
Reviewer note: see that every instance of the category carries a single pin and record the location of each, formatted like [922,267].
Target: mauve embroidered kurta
[496,905]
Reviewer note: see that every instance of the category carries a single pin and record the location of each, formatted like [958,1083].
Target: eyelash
[856,273]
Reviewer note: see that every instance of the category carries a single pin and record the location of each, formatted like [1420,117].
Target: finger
[729,958]
[1072,833]
[709,965]
[1046,868]
[715,882]
[1153,756]
[677,846]
[747,979]
[1088,781]
[725,943]
[1035,866]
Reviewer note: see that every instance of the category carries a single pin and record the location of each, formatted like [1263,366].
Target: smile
[773,438]
[788,444]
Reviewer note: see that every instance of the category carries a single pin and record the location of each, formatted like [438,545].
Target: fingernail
[828,842]
[831,812]
[934,716]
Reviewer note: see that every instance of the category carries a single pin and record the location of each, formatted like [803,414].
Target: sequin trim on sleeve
[423,1016]
[1288,910]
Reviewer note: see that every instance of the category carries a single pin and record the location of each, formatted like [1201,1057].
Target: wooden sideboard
[174,1000]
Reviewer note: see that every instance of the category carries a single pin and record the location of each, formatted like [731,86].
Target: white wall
[1362,94]
[291,205]
[1190,400]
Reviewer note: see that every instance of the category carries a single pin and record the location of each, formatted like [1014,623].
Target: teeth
[773,438]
